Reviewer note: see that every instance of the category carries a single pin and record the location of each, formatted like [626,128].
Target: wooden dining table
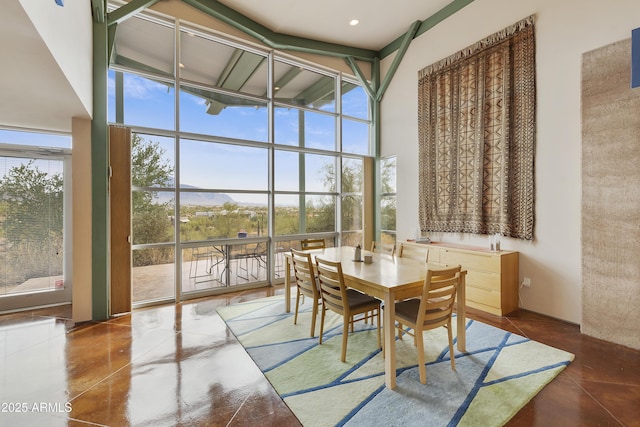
[390,279]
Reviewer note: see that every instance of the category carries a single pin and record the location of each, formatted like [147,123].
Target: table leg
[287,285]
[389,331]
[461,314]
[227,265]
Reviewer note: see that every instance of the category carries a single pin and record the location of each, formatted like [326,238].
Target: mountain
[204,199]
[199,198]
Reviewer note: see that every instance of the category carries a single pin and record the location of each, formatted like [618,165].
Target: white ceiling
[381,21]
[36,94]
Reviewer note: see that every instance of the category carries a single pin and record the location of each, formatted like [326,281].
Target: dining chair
[344,301]
[413,252]
[306,285]
[432,310]
[384,248]
[307,244]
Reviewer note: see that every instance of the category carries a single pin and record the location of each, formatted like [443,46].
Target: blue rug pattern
[497,375]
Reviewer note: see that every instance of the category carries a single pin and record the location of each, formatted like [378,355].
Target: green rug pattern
[494,379]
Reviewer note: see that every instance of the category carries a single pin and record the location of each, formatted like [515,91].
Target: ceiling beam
[98,9]
[361,77]
[376,95]
[124,12]
[406,41]
[277,40]
[426,25]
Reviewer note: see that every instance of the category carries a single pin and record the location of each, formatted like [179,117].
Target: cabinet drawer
[469,261]
[483,296]
[484,280]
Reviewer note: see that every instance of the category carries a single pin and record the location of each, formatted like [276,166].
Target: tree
[32,202]
[321,214]
[388,202]
[150,218]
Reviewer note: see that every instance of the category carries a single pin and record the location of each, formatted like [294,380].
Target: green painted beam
[426,25]
[111,40]
[322,91]
[99,177]
[361,78]
[375,124]
[132,63]
[126,11]
[276,40]
[406,41]
[291,74]
[99,11]
[239,69]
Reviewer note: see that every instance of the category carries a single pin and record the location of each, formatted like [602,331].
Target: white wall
[564,31]
[67,32]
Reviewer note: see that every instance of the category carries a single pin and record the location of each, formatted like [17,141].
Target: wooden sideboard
[492,277]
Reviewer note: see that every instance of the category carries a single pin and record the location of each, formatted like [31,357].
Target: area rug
[494,379]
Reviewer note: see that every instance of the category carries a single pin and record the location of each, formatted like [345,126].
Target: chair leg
[345,337]
[323,309]
[421,367]
[400,331]
[379,315]
[295,316]
[451,350]
[314,313]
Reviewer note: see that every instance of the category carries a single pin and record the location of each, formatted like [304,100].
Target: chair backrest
[312,244]
[304,273]
[438,296]
[383,248]
[332,288]
[413,252]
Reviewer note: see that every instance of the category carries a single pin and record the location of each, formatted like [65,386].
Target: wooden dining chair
[432,310]
[383,248]
[307,244]
[306,285]
[413,252]
[344,301]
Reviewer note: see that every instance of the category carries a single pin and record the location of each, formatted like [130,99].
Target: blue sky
[210,165]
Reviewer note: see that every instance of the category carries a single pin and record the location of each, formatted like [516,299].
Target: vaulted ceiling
[382,26]
[381,21]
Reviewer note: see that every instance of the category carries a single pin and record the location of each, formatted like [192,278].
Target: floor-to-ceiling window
[33,248]
[238,153]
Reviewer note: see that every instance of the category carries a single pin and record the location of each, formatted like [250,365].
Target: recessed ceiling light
[354,22]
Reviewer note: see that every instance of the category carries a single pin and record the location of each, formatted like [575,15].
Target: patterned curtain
[476,126]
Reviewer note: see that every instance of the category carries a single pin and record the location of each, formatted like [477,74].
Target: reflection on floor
[179,365]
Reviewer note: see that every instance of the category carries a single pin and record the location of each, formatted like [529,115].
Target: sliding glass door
[32,222]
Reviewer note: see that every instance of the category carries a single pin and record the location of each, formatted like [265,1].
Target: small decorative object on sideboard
[494,242]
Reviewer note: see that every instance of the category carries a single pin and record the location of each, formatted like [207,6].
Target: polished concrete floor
[178,365]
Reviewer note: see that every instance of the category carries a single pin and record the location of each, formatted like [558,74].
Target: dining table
[389,278]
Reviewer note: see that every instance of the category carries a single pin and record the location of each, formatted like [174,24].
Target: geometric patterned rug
[497,375]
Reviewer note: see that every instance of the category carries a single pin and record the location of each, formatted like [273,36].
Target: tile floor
[178,365]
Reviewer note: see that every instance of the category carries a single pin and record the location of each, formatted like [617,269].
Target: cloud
[141,88]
